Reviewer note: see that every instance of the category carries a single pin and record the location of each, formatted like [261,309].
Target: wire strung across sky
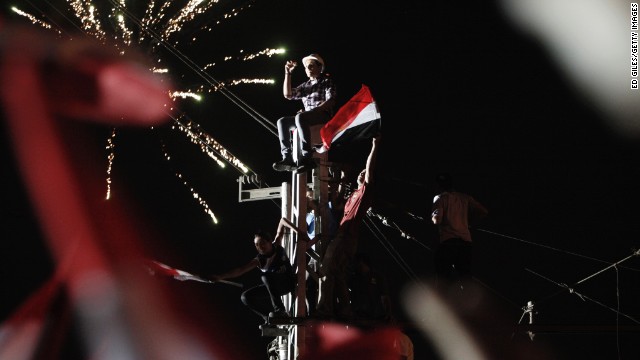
[571,289]
[375,230]
[209,79]
[550,248]
[90,26]
[583,297]
[208,144]
[369,222]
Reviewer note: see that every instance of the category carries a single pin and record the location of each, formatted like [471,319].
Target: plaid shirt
[314,92]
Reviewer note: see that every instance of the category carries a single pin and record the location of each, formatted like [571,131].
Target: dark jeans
[303,121]
[266,297]
[334,268]
[453,260]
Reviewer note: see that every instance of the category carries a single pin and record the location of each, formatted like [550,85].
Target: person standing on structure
[342,248]
[452,211]
[318,95]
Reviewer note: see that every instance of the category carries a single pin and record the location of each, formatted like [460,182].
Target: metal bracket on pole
[261,193]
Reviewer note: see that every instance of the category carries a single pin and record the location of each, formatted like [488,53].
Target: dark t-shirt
[276,263]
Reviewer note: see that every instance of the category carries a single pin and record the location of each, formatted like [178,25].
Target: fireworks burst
[159,30]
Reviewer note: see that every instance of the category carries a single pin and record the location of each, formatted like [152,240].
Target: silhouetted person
[452,212]
[342,248]
[278,277]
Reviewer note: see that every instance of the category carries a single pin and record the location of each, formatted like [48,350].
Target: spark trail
[163,24]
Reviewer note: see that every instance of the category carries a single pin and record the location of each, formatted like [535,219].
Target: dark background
[460,89]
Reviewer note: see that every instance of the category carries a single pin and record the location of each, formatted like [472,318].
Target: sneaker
[306,164]
[285,164]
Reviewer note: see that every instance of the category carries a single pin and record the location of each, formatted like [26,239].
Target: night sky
[460,89]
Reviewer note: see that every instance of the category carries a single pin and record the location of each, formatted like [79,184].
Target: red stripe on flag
[345,115]
[162,269]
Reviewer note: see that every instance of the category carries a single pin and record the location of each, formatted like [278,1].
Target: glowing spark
[33,19]
[195,195]
[126,33]
[220,85]
[88,16]
[185,95]
[208,145]
[265,52]
[204,204]
[233,13]
[156,20]
[187,14]
[252,81]
[111,149]
[151,19]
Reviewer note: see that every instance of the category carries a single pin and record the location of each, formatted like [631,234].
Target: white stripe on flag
[369,113]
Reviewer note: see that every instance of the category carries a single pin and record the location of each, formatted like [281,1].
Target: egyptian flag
[358,119]
[156,267]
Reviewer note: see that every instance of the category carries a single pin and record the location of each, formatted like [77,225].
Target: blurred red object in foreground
[340,342]
[48,88]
